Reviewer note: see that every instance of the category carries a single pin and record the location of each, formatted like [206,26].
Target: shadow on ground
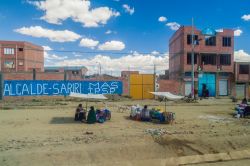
[153,121]
[62,120]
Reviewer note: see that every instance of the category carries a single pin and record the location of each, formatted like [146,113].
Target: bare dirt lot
[44,133]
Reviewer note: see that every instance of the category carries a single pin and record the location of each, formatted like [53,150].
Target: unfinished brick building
[22,56]
[213,61]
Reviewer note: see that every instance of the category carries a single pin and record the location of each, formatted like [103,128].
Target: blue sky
[132,26]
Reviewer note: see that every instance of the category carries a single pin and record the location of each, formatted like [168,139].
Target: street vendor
[91,115]
[145,115]
[80,114]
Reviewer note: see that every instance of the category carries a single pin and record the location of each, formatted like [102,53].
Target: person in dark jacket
[91,116]
[78,113]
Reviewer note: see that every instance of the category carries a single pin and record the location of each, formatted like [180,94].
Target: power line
[88,52]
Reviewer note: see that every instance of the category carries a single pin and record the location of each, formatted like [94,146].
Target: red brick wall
[172,86]
[49,76]
[176,48]
[18,76]
[241,77]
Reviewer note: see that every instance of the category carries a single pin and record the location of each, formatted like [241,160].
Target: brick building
[242,79]
[18,56]
[71,72]
[213,59]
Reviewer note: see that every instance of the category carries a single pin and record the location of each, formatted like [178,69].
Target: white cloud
[128,9]
[53,57]
[246,17]
[173,25]
[238,32]
[52,35]
[162,19]
[110,32]
[155,53]
[112,45]
[47,48]
[241,56]
[77,55]
[135,61]
[56,11]
[219,30]
[90,43]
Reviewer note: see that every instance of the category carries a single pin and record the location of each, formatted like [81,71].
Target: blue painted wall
[59,88]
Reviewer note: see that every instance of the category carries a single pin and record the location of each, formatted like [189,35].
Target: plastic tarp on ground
[88,96]
[168,95]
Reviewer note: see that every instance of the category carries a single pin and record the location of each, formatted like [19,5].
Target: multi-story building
[213,60]
[242,79]
[18,56]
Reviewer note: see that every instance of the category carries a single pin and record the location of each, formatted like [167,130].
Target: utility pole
[192,87]
[0,58]
[100,68]
[154,77]
[128,80]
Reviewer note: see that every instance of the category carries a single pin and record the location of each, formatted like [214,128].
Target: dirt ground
[44,133]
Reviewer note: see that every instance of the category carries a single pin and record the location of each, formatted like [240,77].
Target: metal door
[208,80]
[188,88]
[223,87]
[240,91]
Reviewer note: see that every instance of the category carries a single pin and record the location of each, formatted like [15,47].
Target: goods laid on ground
[155,115]
[103,115]
[242,110]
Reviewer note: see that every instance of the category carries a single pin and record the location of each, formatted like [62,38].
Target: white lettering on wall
[18,89]
[45,89]
[55,89]
[6,90]
[25,90]
[39,88]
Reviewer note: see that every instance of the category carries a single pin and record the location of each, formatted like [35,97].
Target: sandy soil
[44,133]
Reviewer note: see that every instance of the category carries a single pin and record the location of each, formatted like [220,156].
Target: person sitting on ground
[100,116]
[91,115]
[244,101]
[145,114]
[82,114]
[79,114]
[241,107]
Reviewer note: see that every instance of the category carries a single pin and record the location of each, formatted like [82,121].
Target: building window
[20,49]
[189,39]
[189,58]
[75,72]
[210,41]
[226,41]
[9,51]
[244,69]
[208,59]
[225,59]
[9,64]
[20,63]
[188,74]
